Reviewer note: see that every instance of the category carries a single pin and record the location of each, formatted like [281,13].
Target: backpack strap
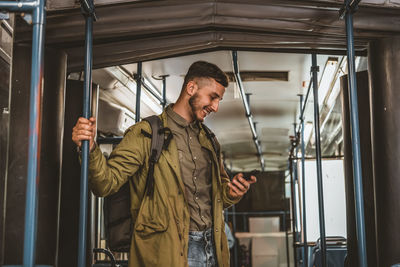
[158,143]
[157,137]
[211,136]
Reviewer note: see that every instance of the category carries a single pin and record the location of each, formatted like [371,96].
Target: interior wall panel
[6,43]
[384,64]
[50,157]
[4,114]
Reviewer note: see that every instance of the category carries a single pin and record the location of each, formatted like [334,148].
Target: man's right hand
[85,129]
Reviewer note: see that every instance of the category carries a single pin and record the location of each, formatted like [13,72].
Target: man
[181,223]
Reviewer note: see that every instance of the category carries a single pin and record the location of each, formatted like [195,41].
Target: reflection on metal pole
[355,135]
[315,70]
[88,11]
[303,182]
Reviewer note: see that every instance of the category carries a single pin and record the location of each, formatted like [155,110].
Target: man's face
[206,98]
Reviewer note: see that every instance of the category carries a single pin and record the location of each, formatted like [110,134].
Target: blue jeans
[201,249]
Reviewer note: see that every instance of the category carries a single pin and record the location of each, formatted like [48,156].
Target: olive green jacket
[161,229]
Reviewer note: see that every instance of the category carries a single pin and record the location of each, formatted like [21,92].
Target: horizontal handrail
[18,6]
[256,212]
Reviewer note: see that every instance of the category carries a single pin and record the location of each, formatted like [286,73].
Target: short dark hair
[203,69]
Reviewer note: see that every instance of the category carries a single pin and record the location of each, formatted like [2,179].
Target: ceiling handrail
[247,109]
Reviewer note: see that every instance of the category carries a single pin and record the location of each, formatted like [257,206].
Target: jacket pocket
[153,216]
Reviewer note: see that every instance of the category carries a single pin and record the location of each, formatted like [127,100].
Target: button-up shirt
[195,165]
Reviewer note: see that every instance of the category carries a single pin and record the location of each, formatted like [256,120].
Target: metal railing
[346,12]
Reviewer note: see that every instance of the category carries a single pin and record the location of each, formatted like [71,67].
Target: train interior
[288,115]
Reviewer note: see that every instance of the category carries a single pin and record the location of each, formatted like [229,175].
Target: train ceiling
[131,31]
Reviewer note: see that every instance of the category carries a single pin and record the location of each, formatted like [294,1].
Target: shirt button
[195,177]
[197,198]
[195,158]
[218,200]
[216,230]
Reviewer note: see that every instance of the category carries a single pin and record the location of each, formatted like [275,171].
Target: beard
[196,107]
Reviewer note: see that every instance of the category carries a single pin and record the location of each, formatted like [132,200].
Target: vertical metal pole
[318,160]
[355,138]
[138,90]
[286,235]
[85,145]
[35,114]
[93,244]
[293,195]
[244,218]
[303,181]
[235,247]
[296,197]
[292,201]
[164,88]
[295,181]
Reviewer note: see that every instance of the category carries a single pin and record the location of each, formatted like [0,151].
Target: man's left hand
[239,185]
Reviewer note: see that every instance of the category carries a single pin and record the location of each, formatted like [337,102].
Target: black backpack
[117,217]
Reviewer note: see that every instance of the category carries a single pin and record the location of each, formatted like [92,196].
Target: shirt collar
[179,120]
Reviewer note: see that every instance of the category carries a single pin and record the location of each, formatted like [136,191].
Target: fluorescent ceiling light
[236,93]
[147,83]
[308,132]
[127,81]
[326,79]
[298,208]
[334,94]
